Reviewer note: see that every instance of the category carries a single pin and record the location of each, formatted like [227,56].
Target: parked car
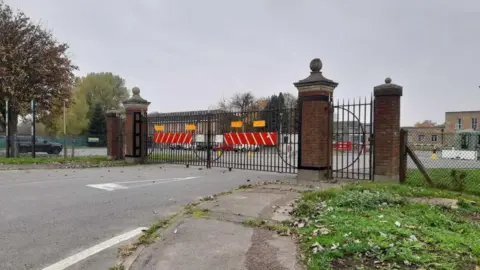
[223,147]
[24,144]
[246,148]
[189,146]
[176,146]
[203,146]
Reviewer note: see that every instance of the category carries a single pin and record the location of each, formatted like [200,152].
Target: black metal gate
[264,140]
[353,144]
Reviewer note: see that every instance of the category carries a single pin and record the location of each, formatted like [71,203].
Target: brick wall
[387,129]
[315,138]
[387,134]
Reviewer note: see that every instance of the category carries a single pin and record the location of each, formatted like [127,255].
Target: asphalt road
[49,215]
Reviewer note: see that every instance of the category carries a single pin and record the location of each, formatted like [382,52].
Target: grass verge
[365,226]
[46,160]
[467,180]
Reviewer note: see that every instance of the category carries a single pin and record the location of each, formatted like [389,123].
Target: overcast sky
[184,55]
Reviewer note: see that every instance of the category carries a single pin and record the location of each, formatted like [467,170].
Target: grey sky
[185,55]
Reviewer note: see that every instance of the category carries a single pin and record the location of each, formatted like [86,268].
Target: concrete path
[218,239]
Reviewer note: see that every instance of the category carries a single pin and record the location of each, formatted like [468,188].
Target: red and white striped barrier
[250,138]
[168,137]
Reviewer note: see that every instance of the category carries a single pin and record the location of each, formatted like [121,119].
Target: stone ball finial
[316,65]
[388,80]
[136,90]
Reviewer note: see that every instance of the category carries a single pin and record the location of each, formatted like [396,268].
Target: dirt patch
[451,203]
[472,216]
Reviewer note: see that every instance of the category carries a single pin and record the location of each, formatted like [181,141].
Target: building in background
[461,121]
[460,131]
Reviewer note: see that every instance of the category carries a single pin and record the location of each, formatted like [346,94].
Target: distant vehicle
[176,146]
[41,145]
[223,147]
[203,146]
[189,146]
[246,148]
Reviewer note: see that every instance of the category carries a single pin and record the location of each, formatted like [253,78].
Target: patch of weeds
[245,186]
[224,193]
[458,179]
[279,228]
[367,199]
[200,212]
[372,226]
[149,235]
[320,195]
[117,267]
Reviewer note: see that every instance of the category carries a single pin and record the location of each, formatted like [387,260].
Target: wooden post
[403,156]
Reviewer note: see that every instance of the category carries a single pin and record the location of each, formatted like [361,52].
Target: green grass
[442,178]
[117,267]
[370,226]
[45,160]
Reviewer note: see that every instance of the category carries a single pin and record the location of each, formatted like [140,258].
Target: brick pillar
[315,139]
[132,105]
[386,124]
[113,135]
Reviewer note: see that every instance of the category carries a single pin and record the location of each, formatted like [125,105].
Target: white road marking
[128,184]
[93,250]
[160,180]
[107,186]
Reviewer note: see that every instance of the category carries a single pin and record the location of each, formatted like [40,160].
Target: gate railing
[353,144]
[255,139]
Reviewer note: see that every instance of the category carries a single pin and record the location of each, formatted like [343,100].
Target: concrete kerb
[195,207]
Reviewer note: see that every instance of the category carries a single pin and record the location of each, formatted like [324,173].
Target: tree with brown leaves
[426,123]
[33,65]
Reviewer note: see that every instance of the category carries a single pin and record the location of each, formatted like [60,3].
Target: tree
[32,65]
[291,101]
[242,101]
[98,123]
[76,121]
[276,115]
[426,123]
[105,89]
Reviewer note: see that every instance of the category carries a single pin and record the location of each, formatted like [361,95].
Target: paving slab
[199,244]
[218,240]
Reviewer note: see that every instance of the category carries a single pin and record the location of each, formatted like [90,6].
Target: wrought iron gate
[264,140]
[353,144]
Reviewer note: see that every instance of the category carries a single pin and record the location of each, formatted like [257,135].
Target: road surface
[47,216]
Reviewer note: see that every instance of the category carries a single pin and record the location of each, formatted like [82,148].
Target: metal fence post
[209,140]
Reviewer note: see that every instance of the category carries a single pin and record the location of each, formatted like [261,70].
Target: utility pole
[65,129]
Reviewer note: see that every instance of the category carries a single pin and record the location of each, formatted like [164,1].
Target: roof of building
[463,112]
[184,113]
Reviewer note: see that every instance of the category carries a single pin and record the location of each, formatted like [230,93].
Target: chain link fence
[451,160]
[45,146]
